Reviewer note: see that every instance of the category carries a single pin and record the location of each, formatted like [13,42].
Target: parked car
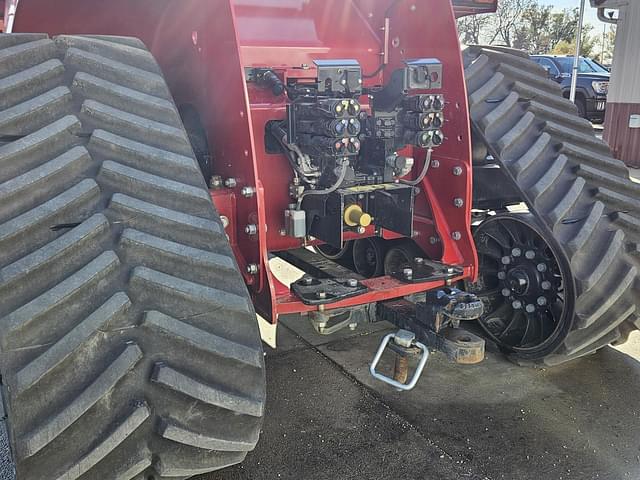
[592,86]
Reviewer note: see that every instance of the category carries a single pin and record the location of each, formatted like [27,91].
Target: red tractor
[156,155]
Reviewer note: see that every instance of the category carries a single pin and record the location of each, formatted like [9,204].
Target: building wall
[624,91]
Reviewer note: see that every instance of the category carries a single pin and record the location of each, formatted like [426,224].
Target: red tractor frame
[204,63]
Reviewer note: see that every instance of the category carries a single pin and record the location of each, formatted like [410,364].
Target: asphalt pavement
[327,418]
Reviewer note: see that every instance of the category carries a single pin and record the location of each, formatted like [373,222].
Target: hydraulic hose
[423,173]
[288,149]
[332,188]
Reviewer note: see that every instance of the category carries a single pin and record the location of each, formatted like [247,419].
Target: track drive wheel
[585,205]
[525,285]
[129,347]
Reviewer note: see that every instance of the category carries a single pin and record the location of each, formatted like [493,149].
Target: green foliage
[569,48]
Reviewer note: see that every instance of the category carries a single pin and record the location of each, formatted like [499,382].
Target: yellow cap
[354,216]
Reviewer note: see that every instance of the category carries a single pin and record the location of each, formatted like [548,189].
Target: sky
[590,14]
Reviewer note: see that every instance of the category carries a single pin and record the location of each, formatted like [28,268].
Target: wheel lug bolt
[517,304]
[502,275]
[506,292]
[530,308]
[541,267]
[506,260]
[516,252]
[530,254]
[546,285]
[542,301]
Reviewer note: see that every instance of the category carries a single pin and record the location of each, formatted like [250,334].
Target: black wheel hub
[521,283]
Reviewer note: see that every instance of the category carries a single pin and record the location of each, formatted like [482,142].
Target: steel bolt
[353,326]
[418,260]
[506,260]
[307,280]
[457,171]
[361,230]
[252,269]
[456,235]
[224,220]
[408,273]
[542,301]
[516,252]
[541,267]
[433,240]
[352,282]
[282,232]
[251,229]
[530,254]
[506,292]
[435,164]
[321,295]
[247,191]
[502,275]
[230,183]
[531,308]
[546,285]
[516,304]
[458,202]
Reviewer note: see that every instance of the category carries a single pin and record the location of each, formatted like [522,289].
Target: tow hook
[403,343]
[436,323]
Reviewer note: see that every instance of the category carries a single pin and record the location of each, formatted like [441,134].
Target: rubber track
[129,345]
[570,181]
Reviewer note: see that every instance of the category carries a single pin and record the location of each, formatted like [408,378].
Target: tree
[604,45]
[509,21]
[569,48]
[471,28]
[536,18]
[526,25]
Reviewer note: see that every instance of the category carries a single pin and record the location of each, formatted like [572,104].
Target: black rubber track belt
[129,346]
[583,197]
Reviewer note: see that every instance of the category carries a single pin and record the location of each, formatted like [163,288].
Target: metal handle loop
[391,381]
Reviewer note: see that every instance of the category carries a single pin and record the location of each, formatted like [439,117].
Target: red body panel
[203,47]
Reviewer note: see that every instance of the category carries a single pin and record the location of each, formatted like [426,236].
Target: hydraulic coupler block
[338,127]
[424,103]
[327,108]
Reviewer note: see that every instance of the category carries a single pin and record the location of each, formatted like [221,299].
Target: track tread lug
[124,430]
[211,395]
[202,340]
[126,99]
[63,420]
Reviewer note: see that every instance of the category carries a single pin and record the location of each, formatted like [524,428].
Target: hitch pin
[404,345]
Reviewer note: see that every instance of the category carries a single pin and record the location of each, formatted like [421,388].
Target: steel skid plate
[320,291]
[423,270]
